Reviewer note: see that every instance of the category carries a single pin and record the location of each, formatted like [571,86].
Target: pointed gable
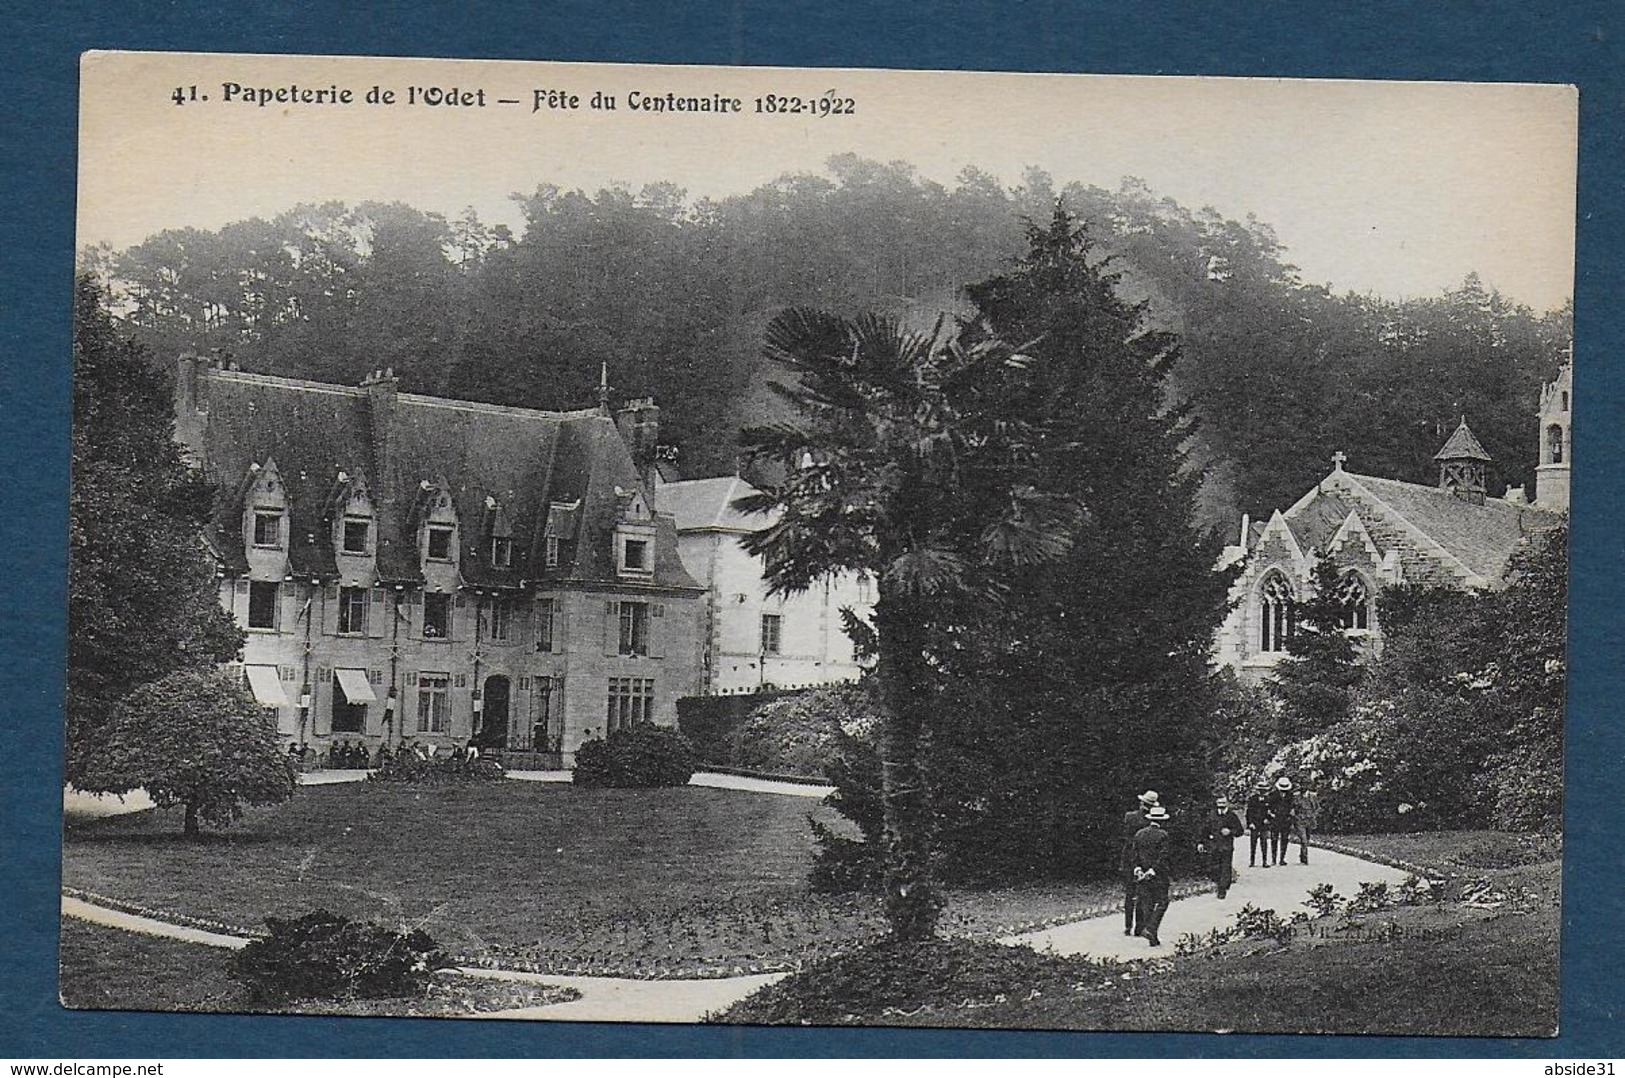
[519,473]
[1463,444]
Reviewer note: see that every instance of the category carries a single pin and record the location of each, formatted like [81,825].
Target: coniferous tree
[1092,682]
[1316,681]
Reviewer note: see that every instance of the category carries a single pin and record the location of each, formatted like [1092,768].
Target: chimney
[190,401]
[382,388]
[639,423]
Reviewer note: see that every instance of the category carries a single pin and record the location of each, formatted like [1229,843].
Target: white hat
[1149,798]
[1283,783]
[1156,812]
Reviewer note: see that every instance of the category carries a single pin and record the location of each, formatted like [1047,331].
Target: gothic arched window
[1554,441]
[1354,600]
[1278,611]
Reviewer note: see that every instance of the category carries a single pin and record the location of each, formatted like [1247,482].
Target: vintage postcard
[814,547]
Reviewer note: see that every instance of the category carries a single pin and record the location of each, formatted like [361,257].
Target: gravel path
[1282,889]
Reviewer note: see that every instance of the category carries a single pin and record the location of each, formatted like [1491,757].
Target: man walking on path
[1258,824]
[1280,812]
[1151,875]
[1219,843]
[1132,823]
[1305,821]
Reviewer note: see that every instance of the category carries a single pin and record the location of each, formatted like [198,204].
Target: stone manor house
[409,568]
[1380,532]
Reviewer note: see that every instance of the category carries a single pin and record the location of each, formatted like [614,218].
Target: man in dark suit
[1151,874]
[1258,824]
[1218,841]
[1280,813]
[1132,822]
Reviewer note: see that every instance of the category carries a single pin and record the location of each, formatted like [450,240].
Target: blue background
[1485,40]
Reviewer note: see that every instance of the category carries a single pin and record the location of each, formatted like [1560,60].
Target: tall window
[501,551]
[1554,439]
[434,708]
[262,604]
[501,620]
[630,701]
[551,551]
[440,542]
[1279,613]
[268,528]
[772,629]
[544,624]
[352,611]
[357,535]
[634,628]
[1355,603]
[436,616]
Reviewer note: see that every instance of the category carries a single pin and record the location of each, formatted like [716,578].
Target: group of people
[1276,813]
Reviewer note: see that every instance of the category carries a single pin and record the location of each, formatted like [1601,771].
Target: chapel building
[414,569]
[1384,532]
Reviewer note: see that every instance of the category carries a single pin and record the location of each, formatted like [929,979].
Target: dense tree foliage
[674,292]
[1091,680]
[904,459]
[194,738]
[1459,724]
[142,598]
[1316,679]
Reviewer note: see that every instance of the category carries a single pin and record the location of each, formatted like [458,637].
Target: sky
[1395,188]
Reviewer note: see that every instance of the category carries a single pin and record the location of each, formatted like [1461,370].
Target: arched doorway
[493,732]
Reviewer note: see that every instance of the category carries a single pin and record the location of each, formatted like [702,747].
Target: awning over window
[266,685]
[354,684]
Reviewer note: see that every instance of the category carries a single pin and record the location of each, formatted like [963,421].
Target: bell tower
[1461,465]
[1552,476]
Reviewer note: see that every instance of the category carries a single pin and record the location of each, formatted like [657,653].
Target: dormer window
[550,553]
[501,551]
[268,528]
[439,546]
[637,555]
[357,536]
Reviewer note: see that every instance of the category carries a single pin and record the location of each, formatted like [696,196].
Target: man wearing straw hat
[1151,874]
[1132,823]
[1281,811]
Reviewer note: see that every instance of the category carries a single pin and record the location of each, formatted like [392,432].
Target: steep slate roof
[707,505]
[1483,537]
[1463,444]
[1477,538]
[524,460]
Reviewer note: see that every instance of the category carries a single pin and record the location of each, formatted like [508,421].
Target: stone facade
[755,640]
[1556,434]
[1383,532]
[409,568]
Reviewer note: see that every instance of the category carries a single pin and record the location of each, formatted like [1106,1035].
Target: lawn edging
[1420,871]
[769,776]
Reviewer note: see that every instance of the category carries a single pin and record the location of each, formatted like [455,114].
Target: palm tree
[904,461]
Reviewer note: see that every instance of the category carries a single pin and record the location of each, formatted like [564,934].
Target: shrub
[640,755]
[1324,900]
[324,956]
[410,767]
[797,733]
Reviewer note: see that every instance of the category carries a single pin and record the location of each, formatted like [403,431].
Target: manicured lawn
[1456,852]
[674,882]
[108,968]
